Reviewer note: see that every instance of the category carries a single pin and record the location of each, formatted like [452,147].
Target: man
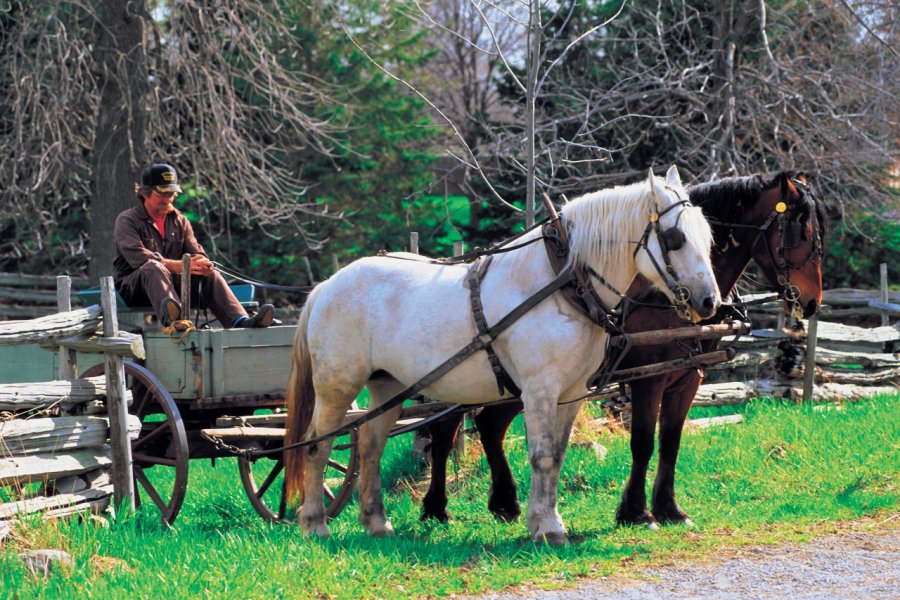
[150,241]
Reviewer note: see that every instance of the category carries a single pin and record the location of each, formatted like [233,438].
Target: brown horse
[777,222]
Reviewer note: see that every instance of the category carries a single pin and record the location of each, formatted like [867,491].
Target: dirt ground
[861,560]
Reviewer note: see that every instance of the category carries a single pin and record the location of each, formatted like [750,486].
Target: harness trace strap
[476,273]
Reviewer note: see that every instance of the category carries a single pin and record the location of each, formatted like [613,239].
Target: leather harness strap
[476,274]
[580,293]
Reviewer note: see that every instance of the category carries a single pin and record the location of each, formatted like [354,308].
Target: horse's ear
[673,177]
[787,188]
[651,179]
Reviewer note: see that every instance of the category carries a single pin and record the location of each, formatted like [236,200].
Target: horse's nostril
[811,307]
[709,303]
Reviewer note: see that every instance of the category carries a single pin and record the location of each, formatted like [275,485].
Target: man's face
[159,203]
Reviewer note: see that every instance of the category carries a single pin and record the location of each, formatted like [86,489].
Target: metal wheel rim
[278,515]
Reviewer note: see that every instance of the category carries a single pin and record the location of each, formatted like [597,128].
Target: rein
[477,252]
[255,282]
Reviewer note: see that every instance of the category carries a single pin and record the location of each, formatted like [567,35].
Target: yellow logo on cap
[168,176]
[780,207]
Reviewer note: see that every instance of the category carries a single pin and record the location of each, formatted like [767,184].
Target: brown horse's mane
[725,200]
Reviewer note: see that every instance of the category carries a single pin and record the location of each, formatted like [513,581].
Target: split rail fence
[824,360]
[65,444]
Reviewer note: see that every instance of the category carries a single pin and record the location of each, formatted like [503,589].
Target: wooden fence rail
[61,451]
[29,296]
[850,362]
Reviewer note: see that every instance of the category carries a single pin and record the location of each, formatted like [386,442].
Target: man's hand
[200,265]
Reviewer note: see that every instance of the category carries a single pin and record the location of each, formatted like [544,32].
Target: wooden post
[67,368]
[422,436]
[809,369]
[882,268]
[460,447]
[116,405]
[185,287]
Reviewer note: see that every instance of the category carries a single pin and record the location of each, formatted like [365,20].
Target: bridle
[789,235]
[670,240]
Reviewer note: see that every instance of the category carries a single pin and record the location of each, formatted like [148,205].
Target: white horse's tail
[299,402]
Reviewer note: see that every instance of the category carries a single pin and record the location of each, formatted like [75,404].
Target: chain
[221,445]
[791,295]
[184,325]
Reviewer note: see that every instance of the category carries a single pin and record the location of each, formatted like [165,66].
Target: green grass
[785,473]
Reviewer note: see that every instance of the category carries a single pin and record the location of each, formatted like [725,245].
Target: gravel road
[853,564]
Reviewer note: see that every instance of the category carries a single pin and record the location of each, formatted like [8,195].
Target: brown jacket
[137,240]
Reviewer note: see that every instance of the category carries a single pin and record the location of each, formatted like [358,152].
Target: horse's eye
[792,233]
[672,239]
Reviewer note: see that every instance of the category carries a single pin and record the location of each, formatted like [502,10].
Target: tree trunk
[119,143]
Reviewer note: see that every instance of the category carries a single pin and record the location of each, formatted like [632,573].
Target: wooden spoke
[268,498]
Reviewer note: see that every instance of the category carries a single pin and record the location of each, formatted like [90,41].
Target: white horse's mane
[605,226]
[601,224]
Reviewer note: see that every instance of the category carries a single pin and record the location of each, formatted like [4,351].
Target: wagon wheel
[161,446]
[268,497]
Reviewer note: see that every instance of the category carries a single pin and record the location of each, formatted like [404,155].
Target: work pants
[152,283]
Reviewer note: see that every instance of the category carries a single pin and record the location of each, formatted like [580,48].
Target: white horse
[385,323]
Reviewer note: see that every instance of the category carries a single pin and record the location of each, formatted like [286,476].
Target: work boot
[170,310]
[263,318]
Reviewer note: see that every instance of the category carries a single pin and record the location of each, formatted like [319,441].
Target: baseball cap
[161,177]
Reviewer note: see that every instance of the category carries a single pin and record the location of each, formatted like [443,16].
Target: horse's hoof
[441,517]
[675,517]
[507,516]
[318,529]
[383,531]
[551,538]
[653,526]
[635,518]
[505,509]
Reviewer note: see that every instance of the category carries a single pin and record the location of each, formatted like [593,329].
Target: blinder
[792,234]
[673,239]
